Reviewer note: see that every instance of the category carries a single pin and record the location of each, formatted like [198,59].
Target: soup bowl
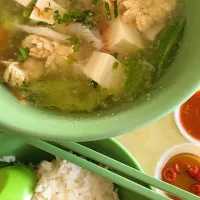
[110,147]
[175,87]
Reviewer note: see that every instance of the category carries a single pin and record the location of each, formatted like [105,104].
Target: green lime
[17,183]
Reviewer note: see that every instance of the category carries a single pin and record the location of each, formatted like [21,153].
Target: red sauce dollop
[190,116]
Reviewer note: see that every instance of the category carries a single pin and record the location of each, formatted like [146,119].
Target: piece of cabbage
[73,95]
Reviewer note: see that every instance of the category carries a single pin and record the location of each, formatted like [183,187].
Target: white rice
[62,180]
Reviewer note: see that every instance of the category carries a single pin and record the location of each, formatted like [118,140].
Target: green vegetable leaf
[166,47]
[107,7]
[66,94]
[139,75]
[115,9]
[23,54]
[28,10]
[71,60]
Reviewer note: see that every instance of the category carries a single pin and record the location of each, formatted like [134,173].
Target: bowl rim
[126,152]
[91,129]
[182,129]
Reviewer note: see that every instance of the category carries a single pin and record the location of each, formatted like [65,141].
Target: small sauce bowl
[187,148]
[187,118]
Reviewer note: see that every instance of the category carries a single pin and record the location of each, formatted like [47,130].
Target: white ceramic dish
[181,128]
[188,148]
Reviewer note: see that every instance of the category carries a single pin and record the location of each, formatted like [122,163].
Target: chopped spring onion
[94,84]
[115,9]
[71,60]
[76,42]
[65,18]
[115,54]
[107,7]
[42,23]
[23,54]
[76,15]
[115,65]
[57,17]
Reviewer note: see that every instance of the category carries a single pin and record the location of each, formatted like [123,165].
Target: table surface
[148,144]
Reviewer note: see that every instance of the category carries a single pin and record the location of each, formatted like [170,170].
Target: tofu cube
[102,69]
[44,11]
[123,37]
[23,2]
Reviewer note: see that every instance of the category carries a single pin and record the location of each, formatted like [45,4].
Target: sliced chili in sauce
[190,116]
[183,171]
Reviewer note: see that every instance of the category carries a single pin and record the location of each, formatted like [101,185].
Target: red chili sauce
[183,171]
[190,116]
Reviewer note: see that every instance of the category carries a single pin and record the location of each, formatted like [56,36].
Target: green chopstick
[115,178]
[114,164]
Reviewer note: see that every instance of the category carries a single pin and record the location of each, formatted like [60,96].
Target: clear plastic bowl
[181,128]
[188,148]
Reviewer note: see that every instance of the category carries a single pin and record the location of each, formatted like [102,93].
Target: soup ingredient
[105,72]
[17,182]
[186,178]
[190,116]
[63,180]
[64,95]
[42,48]
[23,54]
[85,33]
[108,13]
[44,32]
[169,175]
[166,45]
[146,14]
[139,75]
[123,38]
[145,67]
[45,10]
[85,17]
[13,74]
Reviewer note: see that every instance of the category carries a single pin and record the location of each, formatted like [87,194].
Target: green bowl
[176,86]
[26,154]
